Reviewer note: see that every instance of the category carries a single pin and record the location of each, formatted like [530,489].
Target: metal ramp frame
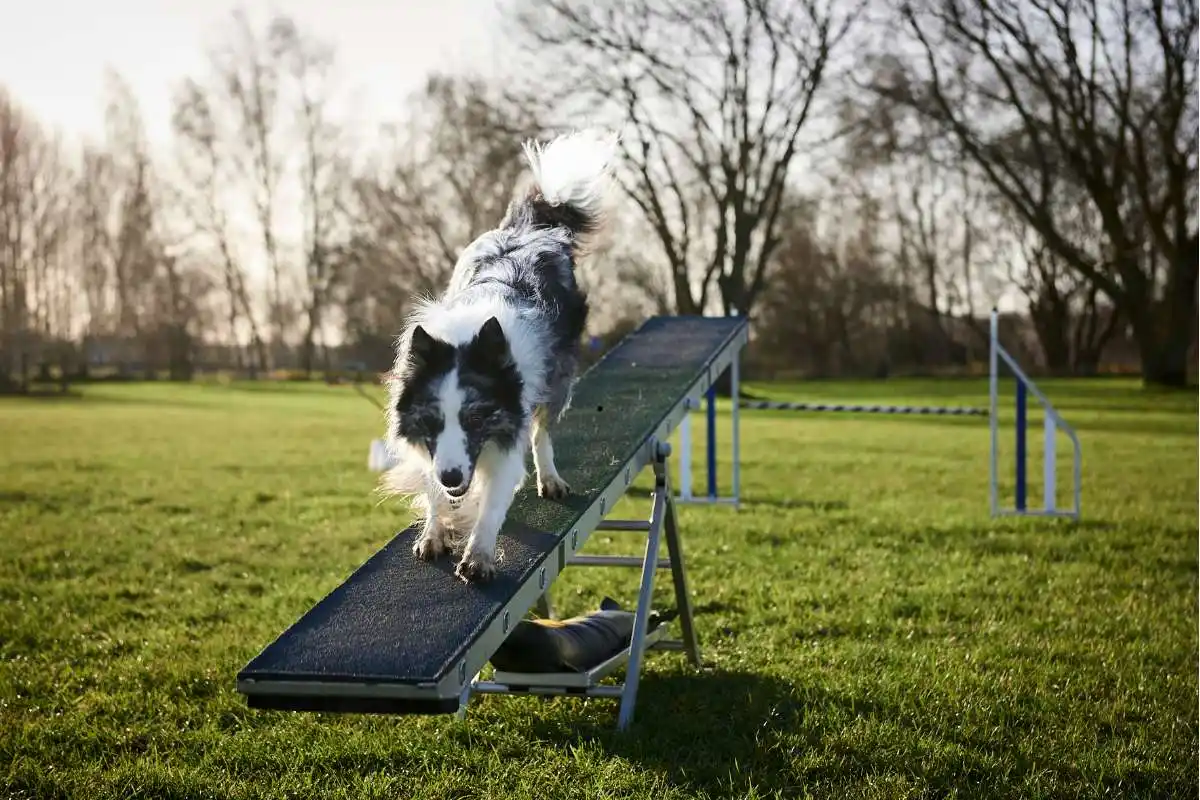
[403,636]
[663,523]
[712,495]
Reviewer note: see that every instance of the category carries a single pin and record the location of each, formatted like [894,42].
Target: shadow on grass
[1165,406]
[711,731]
[42,395]
[47,501]
[313,387]
[736,733]
[189,395]
[178,401]
[805,503]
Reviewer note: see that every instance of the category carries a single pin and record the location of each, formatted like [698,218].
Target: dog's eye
[475,420]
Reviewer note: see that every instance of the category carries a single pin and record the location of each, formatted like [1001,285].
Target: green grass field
[869,631]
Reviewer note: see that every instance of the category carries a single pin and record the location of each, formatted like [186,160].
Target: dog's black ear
[490,346]
[426,351]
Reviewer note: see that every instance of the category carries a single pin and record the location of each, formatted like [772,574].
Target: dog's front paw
[553,487]
[429,546]
[476,567]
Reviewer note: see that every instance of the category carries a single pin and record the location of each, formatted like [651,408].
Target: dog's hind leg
[502,474]
[550,483]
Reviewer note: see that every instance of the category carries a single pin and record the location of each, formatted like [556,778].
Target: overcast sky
[53,53]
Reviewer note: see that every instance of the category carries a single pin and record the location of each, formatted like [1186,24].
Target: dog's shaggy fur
[484,371]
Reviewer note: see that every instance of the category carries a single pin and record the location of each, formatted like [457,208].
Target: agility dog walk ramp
[406,636]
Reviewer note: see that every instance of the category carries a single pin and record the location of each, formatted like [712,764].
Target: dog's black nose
[451,478]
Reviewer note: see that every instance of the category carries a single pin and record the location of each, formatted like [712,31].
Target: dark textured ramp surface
[400,620]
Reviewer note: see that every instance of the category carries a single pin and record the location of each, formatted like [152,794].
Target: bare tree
[624,282]
[39,305]
[1071,321]
[324,172]
[156,299]
[450,177]
[245,89]
[94,209]
[920,205]
[16,133]
[46,198]
[941,217]
[204,168]
[832,307]
[1095,94]
[942,222]
[713,98]
[57,313]
[133,252]
[35,208]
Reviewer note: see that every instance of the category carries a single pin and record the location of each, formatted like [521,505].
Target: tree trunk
[685,303]
[1051,317]
[1164,345]
[1165,334]
[1164,357]
[1093,330]
[309,350]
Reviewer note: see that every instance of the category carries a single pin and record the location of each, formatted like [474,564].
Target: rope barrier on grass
[774,405]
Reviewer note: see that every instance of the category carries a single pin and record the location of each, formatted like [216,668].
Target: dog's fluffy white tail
[573,170]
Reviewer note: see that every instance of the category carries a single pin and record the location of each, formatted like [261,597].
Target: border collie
[483,372]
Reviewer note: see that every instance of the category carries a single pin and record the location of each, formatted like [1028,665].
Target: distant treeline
[863,181]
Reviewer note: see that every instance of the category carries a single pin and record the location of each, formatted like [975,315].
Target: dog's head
[457,398]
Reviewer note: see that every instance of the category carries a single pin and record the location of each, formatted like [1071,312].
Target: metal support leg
[683,598]
[464,699]
[641,617]
[685,453]
[711,447]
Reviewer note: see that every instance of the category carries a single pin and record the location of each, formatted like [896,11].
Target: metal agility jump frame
[405,636]
[1053,422]
[712,495]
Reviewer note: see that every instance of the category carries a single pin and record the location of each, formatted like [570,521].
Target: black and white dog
[484,371]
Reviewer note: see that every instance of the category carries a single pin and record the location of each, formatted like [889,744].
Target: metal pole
[685,448]
[735,379]
[1021,458]
[1078,459]
[1049,462]
[993,423]
[712,442]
